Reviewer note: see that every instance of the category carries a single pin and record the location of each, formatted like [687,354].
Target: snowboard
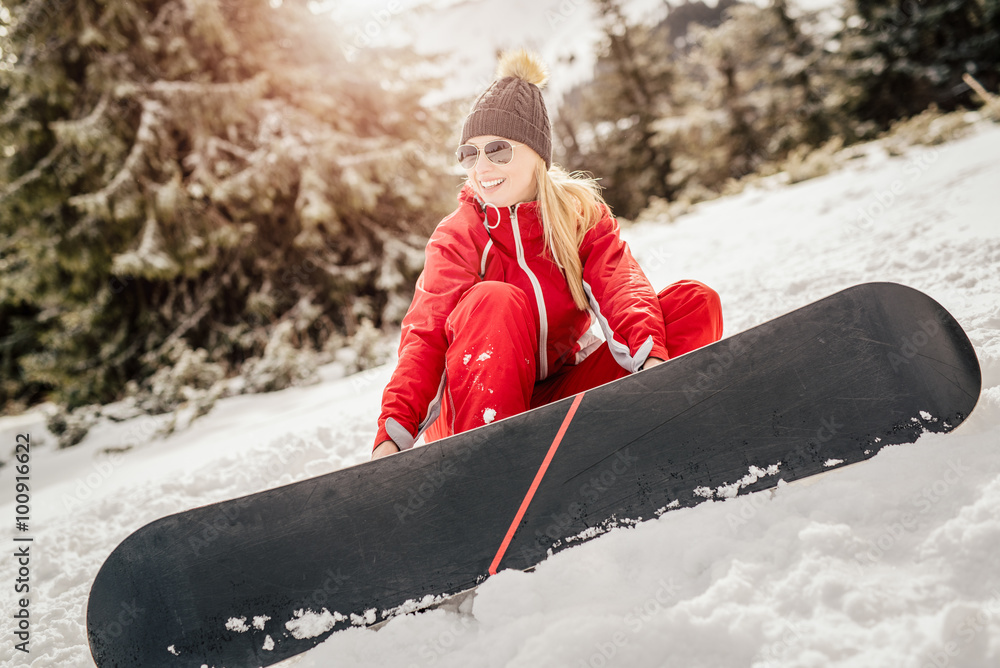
[255,580]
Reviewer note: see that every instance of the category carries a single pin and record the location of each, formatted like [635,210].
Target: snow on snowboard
[255,580]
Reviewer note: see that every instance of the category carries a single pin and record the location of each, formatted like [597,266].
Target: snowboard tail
[252,581]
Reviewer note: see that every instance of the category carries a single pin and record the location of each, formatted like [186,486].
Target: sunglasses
[499,151]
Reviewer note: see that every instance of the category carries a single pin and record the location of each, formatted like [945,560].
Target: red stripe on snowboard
[534,484]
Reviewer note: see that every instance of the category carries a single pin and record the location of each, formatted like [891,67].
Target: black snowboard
[252,581]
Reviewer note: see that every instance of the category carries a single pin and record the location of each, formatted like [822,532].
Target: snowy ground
[890,563]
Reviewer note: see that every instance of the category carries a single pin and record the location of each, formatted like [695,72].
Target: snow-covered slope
[889,563]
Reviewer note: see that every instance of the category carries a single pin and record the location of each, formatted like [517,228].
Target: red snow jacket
[485,243]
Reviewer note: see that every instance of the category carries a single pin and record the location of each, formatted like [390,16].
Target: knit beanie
[512,107]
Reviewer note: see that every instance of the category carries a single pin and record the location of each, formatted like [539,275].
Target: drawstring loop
[486,218]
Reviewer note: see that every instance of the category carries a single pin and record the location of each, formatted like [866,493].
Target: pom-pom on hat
[512,107]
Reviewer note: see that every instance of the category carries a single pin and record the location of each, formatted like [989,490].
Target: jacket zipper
[543,322]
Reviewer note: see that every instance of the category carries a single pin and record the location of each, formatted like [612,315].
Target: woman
[500,320]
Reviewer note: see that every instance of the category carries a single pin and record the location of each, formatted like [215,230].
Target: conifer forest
[207,197]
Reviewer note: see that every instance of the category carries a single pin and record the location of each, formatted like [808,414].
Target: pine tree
[195,174]
[707,96]
[689,13]
[904,55]
[612,133]
[756,88]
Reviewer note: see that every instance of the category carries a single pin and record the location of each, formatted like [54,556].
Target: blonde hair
[570,204]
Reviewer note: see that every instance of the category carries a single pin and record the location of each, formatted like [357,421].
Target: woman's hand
[384,448]
[651,362]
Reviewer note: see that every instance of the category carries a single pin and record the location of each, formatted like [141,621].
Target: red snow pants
[491,367]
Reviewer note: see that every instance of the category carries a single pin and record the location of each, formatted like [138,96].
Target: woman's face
[503,185]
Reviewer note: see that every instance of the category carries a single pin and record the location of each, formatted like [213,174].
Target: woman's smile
[508,183]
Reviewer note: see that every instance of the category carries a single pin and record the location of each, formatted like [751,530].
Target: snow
[891,563]
[755,473]
[237,624]
[309,624]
